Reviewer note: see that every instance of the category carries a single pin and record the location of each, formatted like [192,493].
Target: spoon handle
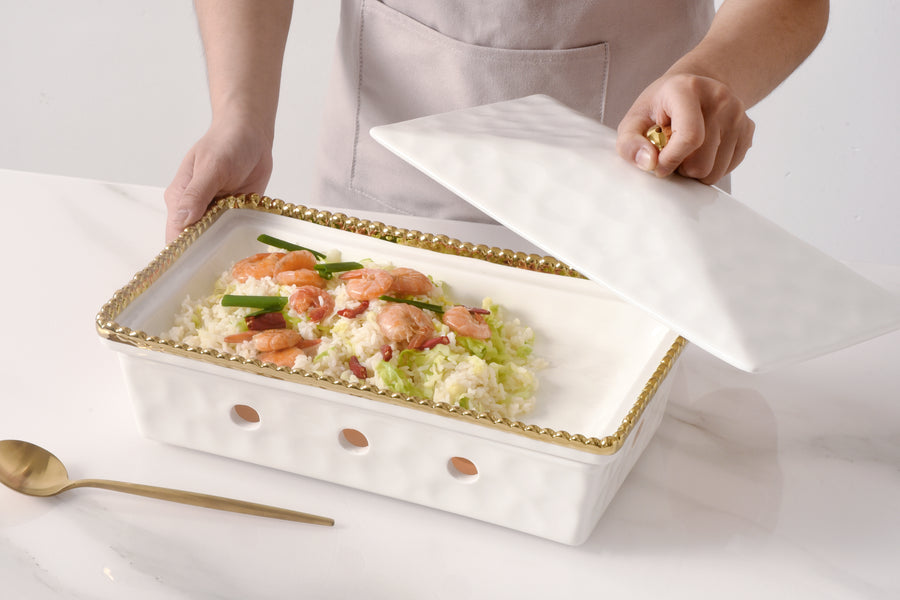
[203,500]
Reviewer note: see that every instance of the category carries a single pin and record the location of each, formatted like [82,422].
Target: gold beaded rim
[108,328]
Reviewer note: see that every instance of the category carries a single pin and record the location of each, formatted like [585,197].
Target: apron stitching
[605,82]
[362,24]
[494,54]
[351,185]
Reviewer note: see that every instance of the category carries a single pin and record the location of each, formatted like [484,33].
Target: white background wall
[116,90]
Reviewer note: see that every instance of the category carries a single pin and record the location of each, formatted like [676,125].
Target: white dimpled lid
[691,255]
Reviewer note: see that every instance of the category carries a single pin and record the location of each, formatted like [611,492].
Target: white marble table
[780,485]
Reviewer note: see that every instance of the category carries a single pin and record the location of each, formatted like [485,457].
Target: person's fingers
[709,161]
[193,188]
[176,216]
[703,161]
[728,139]
[632,143]
[688,133]
[743,145]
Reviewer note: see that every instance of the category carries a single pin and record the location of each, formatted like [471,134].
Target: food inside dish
[391,326]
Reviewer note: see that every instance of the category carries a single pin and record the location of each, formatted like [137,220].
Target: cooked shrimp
[295,259]
[409,282]
[283,358]
[269,340]
[300,277]
[305,343]
[315,302]
[463,322]
[405,323]
[256,266]
[237,338]
[367,284]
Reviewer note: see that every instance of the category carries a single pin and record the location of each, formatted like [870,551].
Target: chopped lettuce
[396,380]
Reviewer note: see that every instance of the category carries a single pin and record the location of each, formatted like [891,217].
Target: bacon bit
[358,368]
[478,311]
[237,338]
[270,320]
[431,343]
[353,312]
[387,352]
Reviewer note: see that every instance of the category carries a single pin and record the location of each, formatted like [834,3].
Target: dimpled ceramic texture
[595,385]
[555,495]
[693,256]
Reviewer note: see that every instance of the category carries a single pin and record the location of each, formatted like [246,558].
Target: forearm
[244,41]
[753,45]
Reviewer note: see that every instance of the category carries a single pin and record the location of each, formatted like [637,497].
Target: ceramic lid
[722,276]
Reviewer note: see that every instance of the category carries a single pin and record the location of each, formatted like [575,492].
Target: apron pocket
[408,70]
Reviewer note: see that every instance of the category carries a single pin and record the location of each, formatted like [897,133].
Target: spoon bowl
[32,470]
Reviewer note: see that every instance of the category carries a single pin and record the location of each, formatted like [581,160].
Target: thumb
[633,145]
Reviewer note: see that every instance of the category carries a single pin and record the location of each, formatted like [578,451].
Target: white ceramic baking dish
[601,397]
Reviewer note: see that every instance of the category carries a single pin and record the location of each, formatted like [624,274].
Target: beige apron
[401,59]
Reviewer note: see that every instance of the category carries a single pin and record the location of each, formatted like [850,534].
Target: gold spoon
[31,470]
